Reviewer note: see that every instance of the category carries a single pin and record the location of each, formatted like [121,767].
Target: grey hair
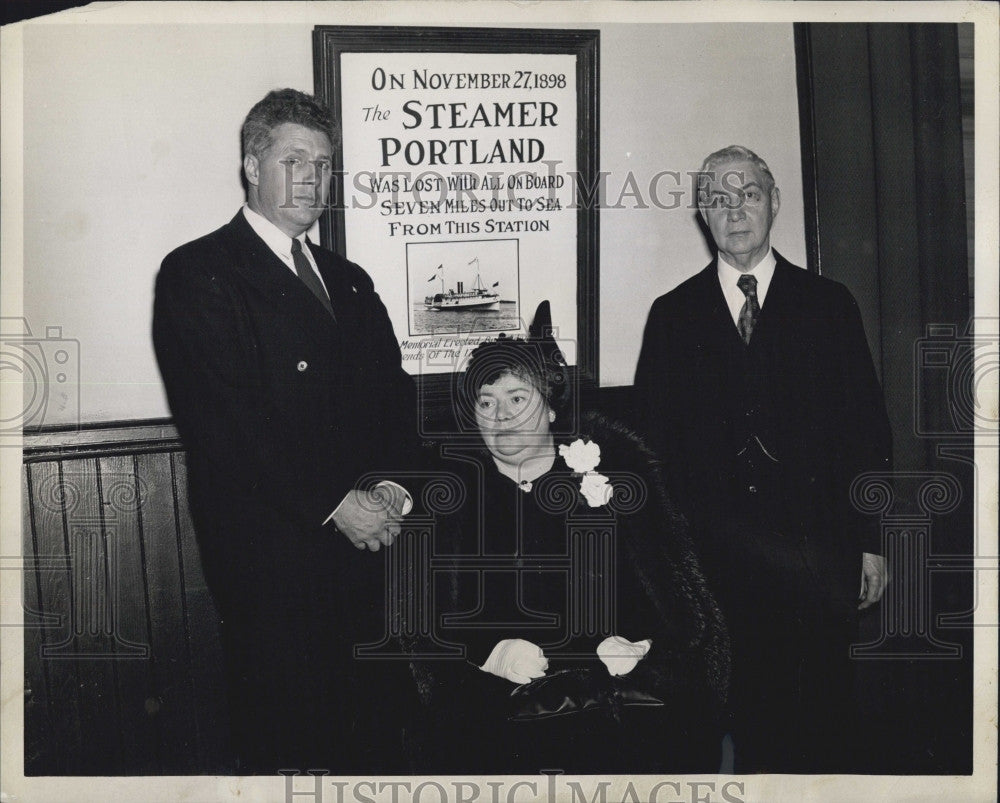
[737,153]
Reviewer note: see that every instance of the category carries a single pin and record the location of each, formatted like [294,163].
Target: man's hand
[371,519]
[874,579]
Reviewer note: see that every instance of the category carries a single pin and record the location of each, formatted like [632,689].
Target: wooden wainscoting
[123,666]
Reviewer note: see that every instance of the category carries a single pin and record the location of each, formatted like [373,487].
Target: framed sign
[466,182]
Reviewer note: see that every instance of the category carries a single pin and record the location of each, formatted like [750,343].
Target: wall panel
[128,679]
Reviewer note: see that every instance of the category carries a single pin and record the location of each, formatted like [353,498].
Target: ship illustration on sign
[476,298]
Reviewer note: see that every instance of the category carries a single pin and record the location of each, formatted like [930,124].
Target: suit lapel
[777,303]
[261,267]
[778,292]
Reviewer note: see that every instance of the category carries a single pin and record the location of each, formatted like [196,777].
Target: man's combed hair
[735,153]
[285,106]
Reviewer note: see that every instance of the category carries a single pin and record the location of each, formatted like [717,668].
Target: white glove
[621,655]
[516,660]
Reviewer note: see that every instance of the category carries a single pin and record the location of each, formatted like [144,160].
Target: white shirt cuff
[407,502]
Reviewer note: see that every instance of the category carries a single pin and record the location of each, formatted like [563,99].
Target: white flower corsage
[583,458]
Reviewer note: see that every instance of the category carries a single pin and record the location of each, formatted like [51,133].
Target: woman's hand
[516,660]
[621,655]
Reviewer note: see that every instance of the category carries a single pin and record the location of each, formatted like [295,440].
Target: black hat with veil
[537,359]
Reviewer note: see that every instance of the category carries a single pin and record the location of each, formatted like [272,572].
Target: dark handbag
[571,691]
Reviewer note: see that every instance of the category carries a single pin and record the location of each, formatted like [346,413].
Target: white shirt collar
[763,272]
[275,238]
[281,244]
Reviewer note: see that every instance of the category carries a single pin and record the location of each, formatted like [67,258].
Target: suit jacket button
[752,489]
[302,365]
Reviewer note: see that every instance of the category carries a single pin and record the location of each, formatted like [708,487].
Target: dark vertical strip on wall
[63,655]
[896,182]
[151,707]
[102,623]
[937,124]
[170,662]
[886,146]
[100,712]
[47,518]
[940,192]
[966,76]
[944,265]
[890,225]
[839,160]
[128,635]
[807,138]
[185,621]
[38,733]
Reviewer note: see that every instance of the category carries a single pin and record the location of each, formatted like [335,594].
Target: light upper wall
[131,149]
[131,140]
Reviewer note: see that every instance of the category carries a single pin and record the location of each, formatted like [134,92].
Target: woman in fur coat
[591,643]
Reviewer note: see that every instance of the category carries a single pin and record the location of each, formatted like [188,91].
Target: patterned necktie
[750,310]
[309,277]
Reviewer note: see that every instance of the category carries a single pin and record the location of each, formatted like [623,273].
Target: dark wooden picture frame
[331,42]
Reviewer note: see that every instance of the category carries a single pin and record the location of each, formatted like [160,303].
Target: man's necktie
[309,277]
[750,310]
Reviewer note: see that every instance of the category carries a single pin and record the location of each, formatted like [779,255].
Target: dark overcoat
[282,411]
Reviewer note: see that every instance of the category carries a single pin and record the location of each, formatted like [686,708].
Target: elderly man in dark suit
[284,378]
[757,388]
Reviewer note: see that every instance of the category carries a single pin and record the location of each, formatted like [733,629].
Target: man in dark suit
[756,385]
[284,377]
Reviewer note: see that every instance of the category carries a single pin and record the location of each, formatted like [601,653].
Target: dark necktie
[309,277]
[750,310]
